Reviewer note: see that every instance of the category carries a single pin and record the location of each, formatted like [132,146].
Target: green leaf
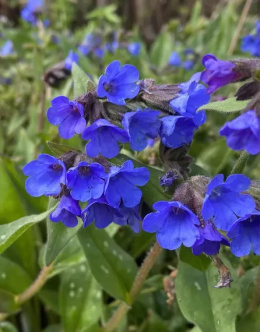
[13,278]
[250,322]
[59,149]
[229,105]
[80,299]
[162,49]
[247,284]
[200,262]
[7,327]
[7,302]
[12,231]
[58,236]
[111,266]
[80,80]
[212,309]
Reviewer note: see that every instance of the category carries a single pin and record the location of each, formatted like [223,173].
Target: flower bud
[192,193]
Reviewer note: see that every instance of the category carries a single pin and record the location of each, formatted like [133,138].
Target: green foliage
[230,105]
[112,267]
[209,308]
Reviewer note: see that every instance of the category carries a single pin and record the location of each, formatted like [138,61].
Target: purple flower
[7,48]
[177,131]
[68,115]
[118,83]
[245,233]
[224,201]
[46,174]
[71,58]
[130,216]
[140,126]
[243,132]
[122,182]
[101,212]
[104,137]
[251,43]
[67,212]
[217,73]
[86,181]
[174,224]
[175,60]
[32,8]
[191,96]
[209,241]
[134,48]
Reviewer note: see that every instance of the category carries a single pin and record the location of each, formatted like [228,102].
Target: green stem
[136,288]
[240,163]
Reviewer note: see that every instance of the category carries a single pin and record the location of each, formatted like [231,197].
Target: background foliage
[88,271]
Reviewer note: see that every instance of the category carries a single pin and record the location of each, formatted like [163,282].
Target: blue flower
[140,126]
[84,49]
[224,202]
[130,216]
[191,96]
[217,73]
[112,47]
[101,212]
[99,52]
[67,212]
[68,115]
[134,48]
[32,8]
[118,83]
[86,181]
[188,64]
[104,137]
[245,233]
[177,131]
[71,58]
[167,179]
[7,48]
[46,174]
[174,224]
[251,43]
[122,182]
[209,241]
[243,132]
[175,60]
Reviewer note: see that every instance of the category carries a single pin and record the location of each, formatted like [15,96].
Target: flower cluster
[226,207]
[93,44]
[112,195]
[251,43]
[95,189]
[31,10]
[189,59]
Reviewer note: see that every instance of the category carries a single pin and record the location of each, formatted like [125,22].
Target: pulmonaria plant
[102,187]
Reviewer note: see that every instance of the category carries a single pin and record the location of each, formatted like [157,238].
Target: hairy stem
[35,286]
[240,163]
[255,300]
[239,26]
[137,286]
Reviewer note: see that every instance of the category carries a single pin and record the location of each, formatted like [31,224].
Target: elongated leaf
[211,309]
[59,149]
[9,233]
[7,327]
[58,236]
[80,299]
[7,302]
[12,277]
[80,80]
[161,49]
[229,105]
[111,266]
[200,262]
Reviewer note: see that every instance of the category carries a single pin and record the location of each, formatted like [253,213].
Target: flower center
[108,87]
[56,167]
[84,170]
